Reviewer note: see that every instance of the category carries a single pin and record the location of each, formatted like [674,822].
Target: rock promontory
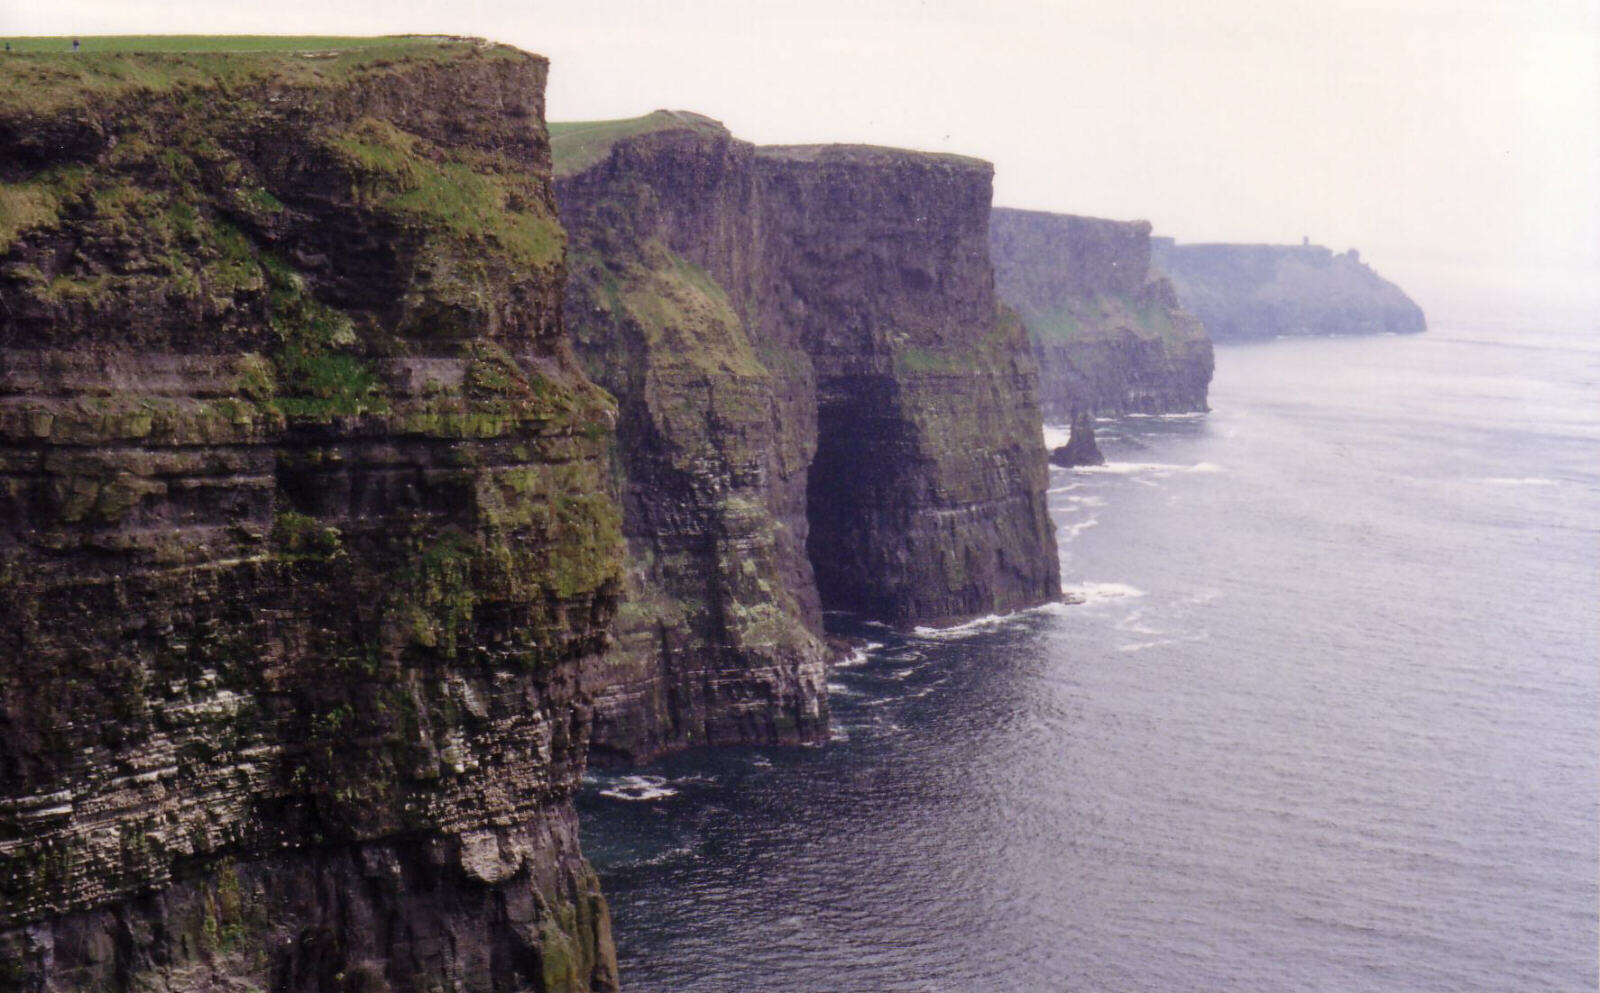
[1246,292]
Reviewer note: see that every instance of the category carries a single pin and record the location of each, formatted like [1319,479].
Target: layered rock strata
[1108,332]
[926,497]
[822,405]
[719,635]
[1245,292]
[304,536]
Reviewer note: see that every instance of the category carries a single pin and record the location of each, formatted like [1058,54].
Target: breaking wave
[1132,468]
[639,788]
[1092,593]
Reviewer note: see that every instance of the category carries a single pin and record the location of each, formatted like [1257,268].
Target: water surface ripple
[1327,720]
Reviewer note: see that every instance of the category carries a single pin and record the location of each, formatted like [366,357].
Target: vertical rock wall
[304,541]
[821,404]
[926,497]
[719,633]
[1109,333]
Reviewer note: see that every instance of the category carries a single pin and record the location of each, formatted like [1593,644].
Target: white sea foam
[1088,500]
[1092,593]
[859,656]
[1158,468]
[1190,416]
[1055,608]
[1139,646]
[640,788]
[1131,624]
[1056,435]
[1064,489]
[1521,481]
[987,622]
[1073,530]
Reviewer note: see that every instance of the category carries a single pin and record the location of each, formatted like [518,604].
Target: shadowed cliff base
[1245,292]
[822,404]
[1108,332]
[304,542]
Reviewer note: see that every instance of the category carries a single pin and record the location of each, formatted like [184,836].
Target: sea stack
[1080,448]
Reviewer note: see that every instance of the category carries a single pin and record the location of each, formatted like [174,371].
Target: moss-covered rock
[306,530]
[715,643]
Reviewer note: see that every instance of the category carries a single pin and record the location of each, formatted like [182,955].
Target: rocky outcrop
[1109,334]
[1245,292]
[821,406]
[1080,448]
[304,536]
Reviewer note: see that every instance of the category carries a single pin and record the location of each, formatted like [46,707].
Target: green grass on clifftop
[577,145]
[40,75]
[136,43]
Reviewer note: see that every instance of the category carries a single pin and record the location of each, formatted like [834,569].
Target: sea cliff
[1245,292]
[823,406]
[719,638]
[1108,332]
[304,537]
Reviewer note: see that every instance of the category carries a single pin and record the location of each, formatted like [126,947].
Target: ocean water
[1328,718]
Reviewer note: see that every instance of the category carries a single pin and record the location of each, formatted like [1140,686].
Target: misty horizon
[1453,143]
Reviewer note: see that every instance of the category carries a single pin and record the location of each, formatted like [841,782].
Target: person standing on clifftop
[74,44]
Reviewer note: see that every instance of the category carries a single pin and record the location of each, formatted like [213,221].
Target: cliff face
[820,407]
[304,545]
[1245,292]
[1109,334]
[719,633]
[926,496]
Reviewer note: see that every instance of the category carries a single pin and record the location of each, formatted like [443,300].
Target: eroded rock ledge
[304,534]
[822,405]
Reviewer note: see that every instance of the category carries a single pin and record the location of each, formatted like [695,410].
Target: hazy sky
[1449,140]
